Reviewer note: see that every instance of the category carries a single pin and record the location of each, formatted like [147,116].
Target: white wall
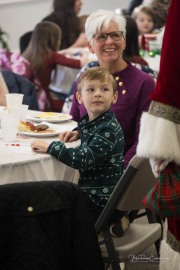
[18,18]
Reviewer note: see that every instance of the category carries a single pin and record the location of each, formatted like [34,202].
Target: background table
[63,77]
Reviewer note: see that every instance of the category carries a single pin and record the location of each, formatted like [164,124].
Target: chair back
[19,84]
[46,225]
[137,186]
[132,187]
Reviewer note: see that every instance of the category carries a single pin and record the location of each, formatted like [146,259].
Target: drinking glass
[9,126]
[19,111]
[13,100]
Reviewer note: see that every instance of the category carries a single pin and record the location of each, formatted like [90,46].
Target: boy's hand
[69,136]
[39,146]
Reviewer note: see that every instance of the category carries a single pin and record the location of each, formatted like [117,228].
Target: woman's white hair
[101,19]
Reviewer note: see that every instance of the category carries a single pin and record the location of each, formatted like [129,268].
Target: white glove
[158,165]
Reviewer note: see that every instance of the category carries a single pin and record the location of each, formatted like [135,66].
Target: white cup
[2,114]
[19,111]
[9,126]
[13,100]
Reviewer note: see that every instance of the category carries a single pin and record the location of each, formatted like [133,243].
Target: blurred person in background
[65,15]
[42,54]
[132,5]
[82,21]
[160,9]
[146,21]
[132,50]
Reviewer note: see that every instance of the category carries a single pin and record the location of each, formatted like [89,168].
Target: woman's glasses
[102,37]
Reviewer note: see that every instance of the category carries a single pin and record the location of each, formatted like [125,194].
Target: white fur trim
[169,258]
[159,138]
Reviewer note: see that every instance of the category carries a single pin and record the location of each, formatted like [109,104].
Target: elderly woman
[106,34]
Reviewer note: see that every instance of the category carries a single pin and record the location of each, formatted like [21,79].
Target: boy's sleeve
[101,147]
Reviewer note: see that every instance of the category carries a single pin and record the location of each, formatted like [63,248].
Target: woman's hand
[39,146]
[69,136]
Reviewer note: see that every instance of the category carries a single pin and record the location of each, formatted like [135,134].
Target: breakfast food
[26,126]
[41,127]
[53,116]
[30,127]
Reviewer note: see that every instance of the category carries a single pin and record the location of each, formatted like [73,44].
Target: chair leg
[155,218]
[113,259]
[157,245]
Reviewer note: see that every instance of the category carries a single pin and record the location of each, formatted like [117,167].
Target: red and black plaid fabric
[164,197]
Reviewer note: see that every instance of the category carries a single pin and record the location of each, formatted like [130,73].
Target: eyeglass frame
[108,34]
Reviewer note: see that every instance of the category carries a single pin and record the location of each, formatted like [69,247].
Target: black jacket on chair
[21,85]
[46,225]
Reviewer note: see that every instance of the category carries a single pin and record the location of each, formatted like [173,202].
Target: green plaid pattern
[164,198]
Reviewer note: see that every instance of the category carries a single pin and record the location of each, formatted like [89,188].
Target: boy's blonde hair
[96,73]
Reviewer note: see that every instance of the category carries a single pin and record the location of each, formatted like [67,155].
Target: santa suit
[159,136]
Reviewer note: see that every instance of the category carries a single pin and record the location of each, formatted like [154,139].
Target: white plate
[36,134]
[52,118]
[54,127]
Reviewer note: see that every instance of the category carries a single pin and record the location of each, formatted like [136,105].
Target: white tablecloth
[19,164]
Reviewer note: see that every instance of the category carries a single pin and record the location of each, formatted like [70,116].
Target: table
[62,79]
[25,166]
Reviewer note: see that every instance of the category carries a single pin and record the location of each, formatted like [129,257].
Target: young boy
[99,158]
